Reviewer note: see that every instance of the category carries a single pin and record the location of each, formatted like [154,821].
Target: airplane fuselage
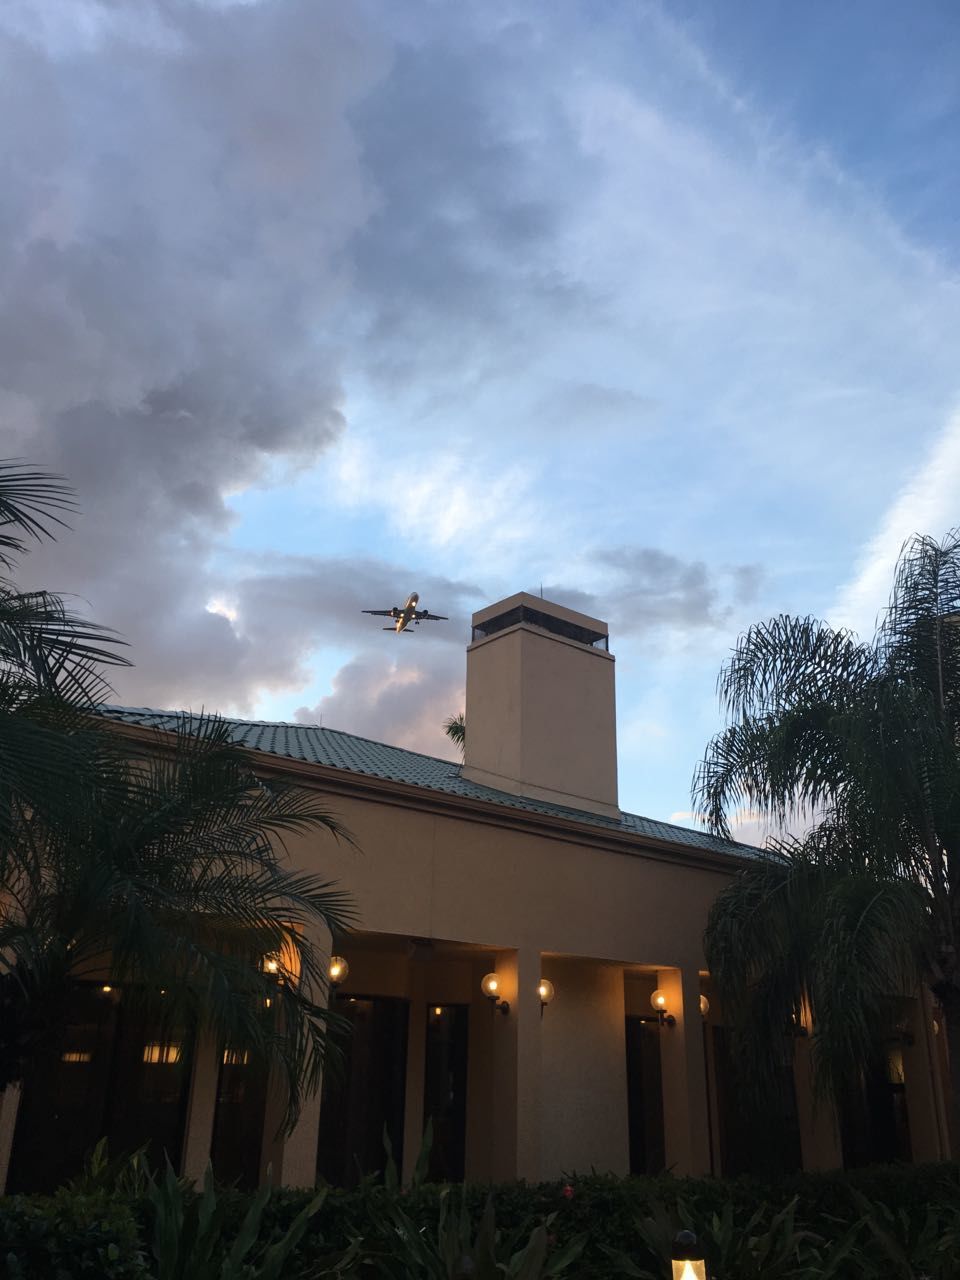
[405,616]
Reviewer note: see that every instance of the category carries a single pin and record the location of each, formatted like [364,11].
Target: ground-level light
[688,1261]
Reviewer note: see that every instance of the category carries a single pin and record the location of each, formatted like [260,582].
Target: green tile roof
[337,750]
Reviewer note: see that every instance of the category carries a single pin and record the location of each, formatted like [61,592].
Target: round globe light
[490,986]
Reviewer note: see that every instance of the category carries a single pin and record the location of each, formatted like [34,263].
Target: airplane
[409,613]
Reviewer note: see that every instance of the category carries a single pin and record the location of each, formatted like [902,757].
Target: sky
[652,306]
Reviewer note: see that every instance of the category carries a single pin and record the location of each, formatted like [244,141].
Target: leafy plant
[863,739]
[125,1176]
[68,1235]
[898,1245]
[765,1245]
[188,1241]
[400,1247]
[167,857]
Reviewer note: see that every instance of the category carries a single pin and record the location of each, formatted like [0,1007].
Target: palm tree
[162,872]
[455,727]
[862,739]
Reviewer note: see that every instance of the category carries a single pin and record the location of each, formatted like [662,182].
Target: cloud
[926,504]
[260,634]
[179,196]
[649,590]
[401,700]
[450,500]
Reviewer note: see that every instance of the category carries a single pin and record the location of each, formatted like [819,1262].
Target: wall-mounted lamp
[658,1002]
[546,992]
[490,986]
[704,1006]
[337,970]
[687,1258]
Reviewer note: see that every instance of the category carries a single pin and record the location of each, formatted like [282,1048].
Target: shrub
[876,1224]
[69,1235]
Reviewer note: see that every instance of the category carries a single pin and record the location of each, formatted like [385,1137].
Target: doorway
[644,1095]
[445,1089]
[364,1091]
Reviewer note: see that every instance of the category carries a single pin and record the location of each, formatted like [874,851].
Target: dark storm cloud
[653,590]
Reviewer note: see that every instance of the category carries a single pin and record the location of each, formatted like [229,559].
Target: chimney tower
[541,707]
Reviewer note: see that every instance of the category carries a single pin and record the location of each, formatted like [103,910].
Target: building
[518,863]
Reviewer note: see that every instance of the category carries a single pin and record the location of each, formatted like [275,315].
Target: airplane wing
[383,613]
[425,615]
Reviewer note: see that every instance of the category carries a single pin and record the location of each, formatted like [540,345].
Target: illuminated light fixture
[76,1055]
[337,970]
[687,1258]
[164,1053]
[546,992]
[490,986]
[267,1003]
[106,990]
[271,964]
[658,1002]
[438,1011]
[704,1005]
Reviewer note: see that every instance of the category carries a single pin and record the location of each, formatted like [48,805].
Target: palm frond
[455,727]
[867,737]
[30,503]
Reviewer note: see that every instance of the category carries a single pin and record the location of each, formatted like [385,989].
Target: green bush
[69,1235]
[891,1223]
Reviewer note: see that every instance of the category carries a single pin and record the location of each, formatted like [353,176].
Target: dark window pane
[239,1120]
[644,1096]
[445,1089]
[364,1093]
[151,1079]
[874,1126]
[63,1101]
[112,1074]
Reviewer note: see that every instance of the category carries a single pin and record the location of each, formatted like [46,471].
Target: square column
[201,1107]
[929,1131]
[686,1125]
[295,1156]
[515,1077]
[820,1144]
[9,1106]
[416,1063]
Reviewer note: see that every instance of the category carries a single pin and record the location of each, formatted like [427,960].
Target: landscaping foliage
[861,738]
[889,1223]
[169,861]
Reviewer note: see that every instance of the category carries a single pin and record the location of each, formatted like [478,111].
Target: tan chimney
[541,713]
